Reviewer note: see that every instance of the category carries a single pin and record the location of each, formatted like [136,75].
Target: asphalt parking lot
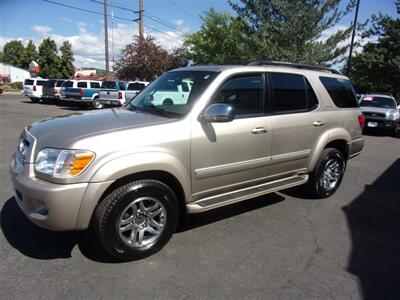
[280,246]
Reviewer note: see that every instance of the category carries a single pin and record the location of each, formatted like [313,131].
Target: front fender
[95,95]
[141,162]
[327,137]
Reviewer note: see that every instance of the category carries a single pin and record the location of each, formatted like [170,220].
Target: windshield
[382,102]
[173,93]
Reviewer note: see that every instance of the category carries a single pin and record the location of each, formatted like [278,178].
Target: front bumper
[48,205]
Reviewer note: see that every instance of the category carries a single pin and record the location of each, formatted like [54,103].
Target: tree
[377,67]
[29,54]
[48,60]
[219,40]
[178,58]
[142,59]
[12,53]
[273,30]
[67,57]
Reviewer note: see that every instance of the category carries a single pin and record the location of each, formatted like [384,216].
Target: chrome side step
[244,194]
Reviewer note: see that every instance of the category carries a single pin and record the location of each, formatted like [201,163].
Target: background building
[9,73]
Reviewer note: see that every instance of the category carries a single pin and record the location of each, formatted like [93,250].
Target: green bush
[16,85]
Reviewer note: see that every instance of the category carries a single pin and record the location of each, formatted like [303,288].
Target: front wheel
[137,219]
[328,174]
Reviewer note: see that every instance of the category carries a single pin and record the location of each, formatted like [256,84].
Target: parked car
[172,93]
[133,172]
[86,91]
[52,89]
[381,111]
[33,88]
[67,84]
[117,93]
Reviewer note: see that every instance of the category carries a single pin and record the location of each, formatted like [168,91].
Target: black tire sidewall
[331,153]
[111,239]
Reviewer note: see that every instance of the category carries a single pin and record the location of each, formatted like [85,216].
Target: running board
[244,194]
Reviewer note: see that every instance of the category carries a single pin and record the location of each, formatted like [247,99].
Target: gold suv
[234,133]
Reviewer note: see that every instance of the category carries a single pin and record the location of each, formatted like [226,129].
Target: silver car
[135,172]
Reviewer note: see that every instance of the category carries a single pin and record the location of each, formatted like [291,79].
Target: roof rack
[292,65]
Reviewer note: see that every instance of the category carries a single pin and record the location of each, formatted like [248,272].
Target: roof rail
[292,65]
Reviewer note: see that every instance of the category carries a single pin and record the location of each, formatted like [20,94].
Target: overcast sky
[36,19]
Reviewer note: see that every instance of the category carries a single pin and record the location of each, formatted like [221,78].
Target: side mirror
[398,107]
[218,112]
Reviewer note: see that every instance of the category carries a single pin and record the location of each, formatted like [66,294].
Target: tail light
[34,88]
[120,95]
[361,120]
[81,92]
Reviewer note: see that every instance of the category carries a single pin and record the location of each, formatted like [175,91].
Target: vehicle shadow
[374,222]
[380,132]
[39,243]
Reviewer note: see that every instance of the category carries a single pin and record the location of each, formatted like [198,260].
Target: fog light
[40,211]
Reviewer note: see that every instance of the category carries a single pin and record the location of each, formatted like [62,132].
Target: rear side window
[41,82]
[136,86]
[109,85]
[292,93]
[94,85]
[245,93]
[341,91]
[59,83]
[82,84]
[68,84]
[28,82]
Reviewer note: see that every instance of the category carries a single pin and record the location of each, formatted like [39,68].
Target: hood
[380,110]
[59,131]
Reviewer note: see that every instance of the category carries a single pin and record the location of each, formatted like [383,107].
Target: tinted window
[312,100]
[289,92]
[82,85]
[136,86]
[185,87]
[50,83]
[95,85]
[341,91]
[245,94]
[41,82]
[109,85]
[28,82]
[59,83]
[383,102]
[68,84]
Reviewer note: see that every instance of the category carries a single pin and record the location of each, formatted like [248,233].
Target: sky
[37,19]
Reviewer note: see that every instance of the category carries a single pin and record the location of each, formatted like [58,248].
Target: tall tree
[219,40]
[66,60]
[287,30]
[377,67]
[178,58]
[48,60]
[29,54]
[13,52]
[142,59]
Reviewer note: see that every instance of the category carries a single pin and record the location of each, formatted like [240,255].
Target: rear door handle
[318,123]
[259,130]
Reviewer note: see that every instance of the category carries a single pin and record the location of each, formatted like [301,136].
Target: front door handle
[259,130]
[318,123]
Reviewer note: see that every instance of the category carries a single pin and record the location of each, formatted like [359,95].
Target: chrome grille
[373,114]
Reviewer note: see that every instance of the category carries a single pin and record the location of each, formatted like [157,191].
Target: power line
[184,10]
[120,18]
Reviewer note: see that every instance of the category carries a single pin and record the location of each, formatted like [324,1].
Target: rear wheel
[328,174]
[137,219]
[168,102]
[96,104]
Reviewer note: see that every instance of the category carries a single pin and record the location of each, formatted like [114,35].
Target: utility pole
[141,20]
[106,39]
[352,39]
[112,36]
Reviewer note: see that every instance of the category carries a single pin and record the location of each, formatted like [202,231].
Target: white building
[13,73]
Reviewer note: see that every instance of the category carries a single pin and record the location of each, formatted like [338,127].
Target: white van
[33,88]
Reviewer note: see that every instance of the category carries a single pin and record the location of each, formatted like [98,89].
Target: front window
[382,102]
[173,93]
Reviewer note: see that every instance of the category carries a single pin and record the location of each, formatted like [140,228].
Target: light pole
[352,39]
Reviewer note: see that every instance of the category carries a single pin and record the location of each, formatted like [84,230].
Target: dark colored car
[52,89]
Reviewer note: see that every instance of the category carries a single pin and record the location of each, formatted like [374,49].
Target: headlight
[392,115]
[63,163]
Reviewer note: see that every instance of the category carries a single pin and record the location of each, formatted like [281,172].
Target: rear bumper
[381,123]
[355,147]
[110,101]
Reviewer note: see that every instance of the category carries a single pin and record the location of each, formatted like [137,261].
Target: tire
[117,212]
[168,102]
[96,104]
[35,100]
[317,186]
